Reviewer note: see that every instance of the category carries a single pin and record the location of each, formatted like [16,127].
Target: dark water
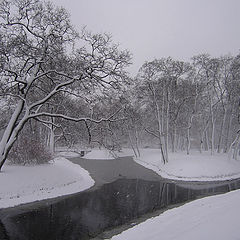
[87,214]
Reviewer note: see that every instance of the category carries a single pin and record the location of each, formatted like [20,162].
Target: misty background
[160,28]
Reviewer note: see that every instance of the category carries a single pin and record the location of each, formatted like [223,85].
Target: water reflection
[86,214]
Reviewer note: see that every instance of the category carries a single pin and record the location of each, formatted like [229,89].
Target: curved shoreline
[125,193]
[106,171]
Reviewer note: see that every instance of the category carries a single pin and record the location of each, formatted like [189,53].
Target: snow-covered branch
[81,119]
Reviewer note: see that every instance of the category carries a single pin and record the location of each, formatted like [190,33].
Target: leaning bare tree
[37,63]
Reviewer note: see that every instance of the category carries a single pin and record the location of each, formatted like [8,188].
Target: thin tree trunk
[226,145]
[219,147]
[160,135]
[201,143]
[131,143]
[179,142]
[213,138]
[203,134]
[188,134]
[52,140]
[174,138]
[236,148]
[182,143]
[213,127]
[160,124]
[206,141]
[188,141]
[167,131]
[137,142]
[172,142]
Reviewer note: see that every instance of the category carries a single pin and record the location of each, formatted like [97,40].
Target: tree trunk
[160,125]
[167,130]
[219,147]
[236,148]
[179,142]
[52,140]
[10,133]
[235,144]
[182,143]
[213,127]
[206,141]
[201,143]
[131,143]
[213,138]
[226,144]
[188,141]
[172,142]
[161,130]
[203,135]
[137,142]
[174,138]
[188,134]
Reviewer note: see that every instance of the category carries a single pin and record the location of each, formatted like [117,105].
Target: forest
[54,93]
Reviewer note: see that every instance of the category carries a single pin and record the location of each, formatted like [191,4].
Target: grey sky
[161,28]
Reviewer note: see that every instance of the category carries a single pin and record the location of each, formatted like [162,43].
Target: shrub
[29,151]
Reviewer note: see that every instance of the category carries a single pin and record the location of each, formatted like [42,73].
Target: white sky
[161,28]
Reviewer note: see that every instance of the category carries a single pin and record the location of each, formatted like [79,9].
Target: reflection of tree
[3,232]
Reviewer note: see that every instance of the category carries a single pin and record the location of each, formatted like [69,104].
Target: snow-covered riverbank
[215,217]
[194,167]
[24,184]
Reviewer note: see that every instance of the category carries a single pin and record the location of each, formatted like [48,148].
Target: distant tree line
[189,105]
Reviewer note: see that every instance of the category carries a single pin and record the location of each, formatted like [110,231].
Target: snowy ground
[96,154]
[23,184]
[193,167]
[100,154]
[215,217]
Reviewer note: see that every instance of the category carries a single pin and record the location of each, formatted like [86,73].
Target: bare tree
[234,89]
[36,64]
[159,82]
[150,92]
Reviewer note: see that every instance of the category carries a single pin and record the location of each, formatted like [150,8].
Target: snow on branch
[109,119]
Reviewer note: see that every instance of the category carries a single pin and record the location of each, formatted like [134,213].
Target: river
[124,192]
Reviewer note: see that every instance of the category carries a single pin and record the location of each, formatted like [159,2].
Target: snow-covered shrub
[29,151]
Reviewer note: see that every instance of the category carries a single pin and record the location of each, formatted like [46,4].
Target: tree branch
[71,118]
[46,123]
[152,133]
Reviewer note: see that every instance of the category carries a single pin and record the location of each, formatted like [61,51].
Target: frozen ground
[215,217]
[23,184]
[193,167]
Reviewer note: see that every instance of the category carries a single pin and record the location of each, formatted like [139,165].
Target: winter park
[119,120]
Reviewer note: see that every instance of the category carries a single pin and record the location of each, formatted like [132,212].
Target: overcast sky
[161,28]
